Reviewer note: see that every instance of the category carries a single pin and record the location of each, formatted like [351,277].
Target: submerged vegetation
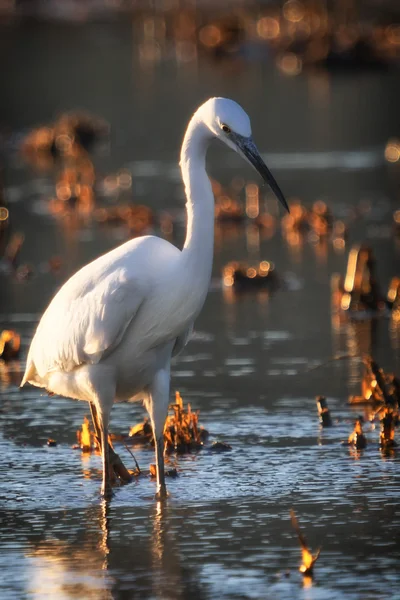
[380,391]
[182,434]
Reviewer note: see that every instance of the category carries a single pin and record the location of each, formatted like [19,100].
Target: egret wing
[85,321]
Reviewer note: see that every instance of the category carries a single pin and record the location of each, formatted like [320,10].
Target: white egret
[110,332]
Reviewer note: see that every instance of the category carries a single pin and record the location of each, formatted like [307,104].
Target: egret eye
[225,128]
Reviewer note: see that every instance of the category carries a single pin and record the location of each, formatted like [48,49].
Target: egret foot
[117,469]
[106,492]
[117,466]
[162,493]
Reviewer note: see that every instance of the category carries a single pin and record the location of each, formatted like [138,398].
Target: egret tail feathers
[31,376]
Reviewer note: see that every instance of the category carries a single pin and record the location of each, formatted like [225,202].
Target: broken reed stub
[220,447]
[168,472]
[308,559]
[393,298]
[358,291]
[357,437]
[10,344]
[389,421]
[325,418]
[85,436]
[142,432]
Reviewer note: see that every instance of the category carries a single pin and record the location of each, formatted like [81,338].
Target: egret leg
[117,467]
[161,487]
[97,431]
[106,489]
[103,402]
[157,407]
[95,420]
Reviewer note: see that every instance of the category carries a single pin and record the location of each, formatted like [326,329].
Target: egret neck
[197,252]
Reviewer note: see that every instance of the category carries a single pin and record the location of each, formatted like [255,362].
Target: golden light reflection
[59,568]
[64,143]
[355,453]
[252,200]
[346,301]
[64,148]
[361,291]
[10,374]
[293,11]
[229,295]
[167,573]
[124,179]
[350,280]
[228,208]
[339,244]
[4,214]
[394,289]
[336,296]
[290,64]
[257,277]
[307,582]
[253,241]
[63,191]
[228,280]
[339,30]
[104,541]
[392,151]
[210,36]
[393,34]
[268,28]
[159,531]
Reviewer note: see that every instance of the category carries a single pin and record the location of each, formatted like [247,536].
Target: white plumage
[111,330]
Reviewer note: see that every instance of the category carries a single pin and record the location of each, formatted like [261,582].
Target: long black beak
[249,150]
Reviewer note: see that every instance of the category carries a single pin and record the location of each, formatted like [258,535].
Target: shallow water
[225,531]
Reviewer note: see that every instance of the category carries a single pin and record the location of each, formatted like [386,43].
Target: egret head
[229,123]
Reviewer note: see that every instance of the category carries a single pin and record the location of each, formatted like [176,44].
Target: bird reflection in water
[170,578]
[93,554]
[75,567]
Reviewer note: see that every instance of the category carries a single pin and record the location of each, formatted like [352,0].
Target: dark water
[225,531]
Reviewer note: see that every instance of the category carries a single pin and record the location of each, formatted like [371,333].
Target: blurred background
[95,99]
